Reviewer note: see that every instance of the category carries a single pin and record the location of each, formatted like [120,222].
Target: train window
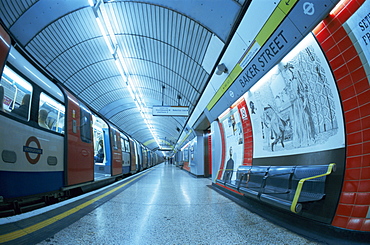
[114,139]
[51,114]
[16,94]
[123,145]
[127,144]
[85,124]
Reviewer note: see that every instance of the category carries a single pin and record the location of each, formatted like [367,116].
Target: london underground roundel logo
[30,149]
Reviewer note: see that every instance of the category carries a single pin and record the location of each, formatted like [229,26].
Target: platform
[162,205]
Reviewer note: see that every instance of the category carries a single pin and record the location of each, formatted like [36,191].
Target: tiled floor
[169,206]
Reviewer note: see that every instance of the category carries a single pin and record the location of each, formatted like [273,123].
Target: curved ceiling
[163,50]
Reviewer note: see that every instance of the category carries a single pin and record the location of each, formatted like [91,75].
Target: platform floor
[166,205]
[170,206]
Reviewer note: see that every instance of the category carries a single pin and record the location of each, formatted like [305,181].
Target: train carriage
[32,144]
[53,146]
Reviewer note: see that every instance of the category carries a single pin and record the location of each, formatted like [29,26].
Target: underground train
[52,145]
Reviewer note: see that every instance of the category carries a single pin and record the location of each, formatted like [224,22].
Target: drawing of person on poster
[229,167]
[296,104]
[233,131]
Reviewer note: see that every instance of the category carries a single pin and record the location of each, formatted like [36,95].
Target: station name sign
[177,111]
[289,23]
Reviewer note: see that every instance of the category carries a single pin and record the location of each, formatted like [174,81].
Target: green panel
[286,7]
[266,31]
[227,83]
[270,26]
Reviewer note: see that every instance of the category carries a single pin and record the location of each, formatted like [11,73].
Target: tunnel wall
[349,68]
[347,200]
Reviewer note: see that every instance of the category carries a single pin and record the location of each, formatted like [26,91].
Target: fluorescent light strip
[115,50]
[105,35]
[107,23]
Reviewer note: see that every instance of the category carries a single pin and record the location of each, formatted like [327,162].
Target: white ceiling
[172,44]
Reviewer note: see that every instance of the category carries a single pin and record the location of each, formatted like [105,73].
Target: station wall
[333,123]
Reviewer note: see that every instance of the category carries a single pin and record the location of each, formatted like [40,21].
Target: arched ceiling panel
[163,43]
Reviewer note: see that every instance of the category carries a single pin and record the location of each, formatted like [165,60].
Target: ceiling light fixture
[111,41]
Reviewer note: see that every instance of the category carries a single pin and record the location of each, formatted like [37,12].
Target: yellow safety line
[300,185]
[17,234]
[263,35]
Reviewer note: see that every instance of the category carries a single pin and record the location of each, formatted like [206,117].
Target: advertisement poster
[233,133]
[295,108]
[359,24]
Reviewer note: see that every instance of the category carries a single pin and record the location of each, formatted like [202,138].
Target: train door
[133,157]
[115,140]
[150,163]
[139,151]
[145,157]
[126,161]
[4,48]
[80,147]
[102,154]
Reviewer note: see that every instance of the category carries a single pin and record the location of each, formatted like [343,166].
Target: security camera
[221,68]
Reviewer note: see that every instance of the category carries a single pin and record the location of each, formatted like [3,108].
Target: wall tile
[354,6]
[365,172]
[366,135]
[348,198]
[333,25]
[365,122]
[355,223]
[350,186]
[366,148]
[344,15]
[339,34]
[344,82]
[344,44]
[363,98]
[354,150]
[350,103]
[364,110]
[354,162]
[333,52]
[352,115]
[366,225]
[340,221]
[338,61]
[352,174]
[348,92]
[361,85]
[357,74]
[350,54]
[360,211]
[362,198]
[354,138]
[328,43]
[353,127]
[366,160]
[345,210]
[321,32]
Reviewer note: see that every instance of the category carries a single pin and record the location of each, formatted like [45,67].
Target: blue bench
[286,187]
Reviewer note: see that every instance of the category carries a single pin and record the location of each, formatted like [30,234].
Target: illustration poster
[233,133]
[295,108]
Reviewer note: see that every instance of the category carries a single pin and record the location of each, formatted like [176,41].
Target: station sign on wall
[299,21]
[177,111]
